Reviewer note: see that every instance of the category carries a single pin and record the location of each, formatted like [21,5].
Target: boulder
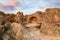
[14,32]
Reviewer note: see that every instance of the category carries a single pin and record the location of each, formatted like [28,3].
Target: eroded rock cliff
[37,26]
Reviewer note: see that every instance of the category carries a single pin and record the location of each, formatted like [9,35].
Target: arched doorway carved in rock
[33,19]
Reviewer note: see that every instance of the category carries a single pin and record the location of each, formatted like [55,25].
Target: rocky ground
[19,32]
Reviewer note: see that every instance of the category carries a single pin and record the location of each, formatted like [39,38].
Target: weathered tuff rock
[52,15]
[37,26]
[1,28]
[19,17]
[34,18]
[50,29]
[14,32]
[52,10]
[10,17]
[2,20]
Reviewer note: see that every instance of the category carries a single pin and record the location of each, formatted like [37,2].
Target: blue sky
[27,6]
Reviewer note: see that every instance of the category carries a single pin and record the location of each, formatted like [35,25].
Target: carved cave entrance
[33,19]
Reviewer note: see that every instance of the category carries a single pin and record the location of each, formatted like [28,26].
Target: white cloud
[27,6]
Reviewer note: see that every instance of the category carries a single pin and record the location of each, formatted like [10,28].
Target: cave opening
[33,19]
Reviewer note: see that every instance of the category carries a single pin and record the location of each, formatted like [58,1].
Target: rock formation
[19,17]
[37,26]
[53,14]
[10,17]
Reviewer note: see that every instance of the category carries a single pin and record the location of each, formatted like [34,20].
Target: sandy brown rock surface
[37,26]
